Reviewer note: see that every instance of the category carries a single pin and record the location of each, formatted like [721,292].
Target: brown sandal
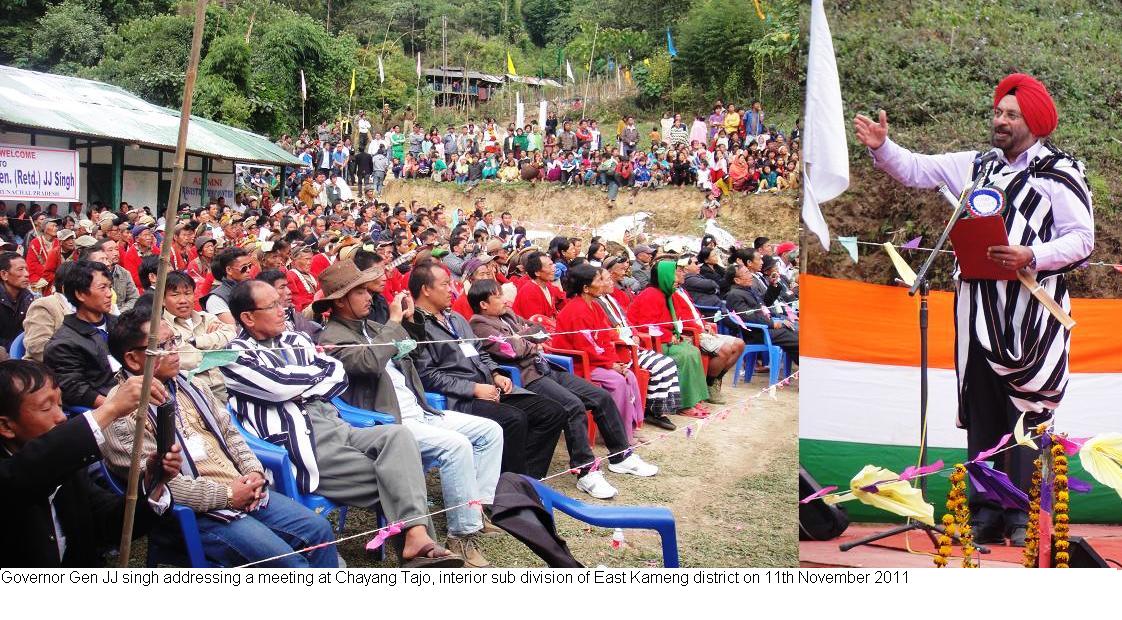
[433,555]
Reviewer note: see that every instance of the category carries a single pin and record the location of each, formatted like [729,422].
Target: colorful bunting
[850,245]
[913,244]
[384,534]
[902,267]
[214,359]
[995,486]
[888,493]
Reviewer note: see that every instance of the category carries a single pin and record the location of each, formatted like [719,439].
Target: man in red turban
[1011,353]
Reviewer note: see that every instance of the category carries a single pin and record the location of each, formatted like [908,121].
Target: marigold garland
[956,522]
[1032,533]
[1060,507]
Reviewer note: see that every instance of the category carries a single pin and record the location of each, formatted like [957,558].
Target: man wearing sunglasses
[220,479]
[230,267]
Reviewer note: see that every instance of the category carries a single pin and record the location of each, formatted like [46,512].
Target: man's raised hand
[871,133]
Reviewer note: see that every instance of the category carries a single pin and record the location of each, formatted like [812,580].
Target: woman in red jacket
[592,333]
[618,268]
[301,282]
[654,313]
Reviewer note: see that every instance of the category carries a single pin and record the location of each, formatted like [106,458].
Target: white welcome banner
[37,173]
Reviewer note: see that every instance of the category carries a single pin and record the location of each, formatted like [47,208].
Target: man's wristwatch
[1032,263]
[229,496]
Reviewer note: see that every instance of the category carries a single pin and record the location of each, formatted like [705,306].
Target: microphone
[987,157]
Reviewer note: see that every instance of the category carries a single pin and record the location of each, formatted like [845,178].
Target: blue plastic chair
[564,362]
[162,549]
[275,459]
[514,373]
[73,411]
[657,518]
[16,350]
[775,357]
[361,418]
[436,401]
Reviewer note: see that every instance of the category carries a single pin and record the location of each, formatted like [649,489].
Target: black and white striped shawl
[267,390]
[1024,343]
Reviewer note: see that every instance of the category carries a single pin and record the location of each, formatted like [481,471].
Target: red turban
[1036,104]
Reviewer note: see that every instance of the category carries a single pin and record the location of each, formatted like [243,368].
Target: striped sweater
[268,385]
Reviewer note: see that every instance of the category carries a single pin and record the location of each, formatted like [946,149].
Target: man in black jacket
[15,296]
[458,368]
[57,516]
[745,299]
[78,353]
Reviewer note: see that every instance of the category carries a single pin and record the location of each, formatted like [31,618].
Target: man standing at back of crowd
[1012,354]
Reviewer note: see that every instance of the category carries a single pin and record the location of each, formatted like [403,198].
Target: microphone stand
[922,286]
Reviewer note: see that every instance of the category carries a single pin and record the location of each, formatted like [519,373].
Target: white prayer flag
[825,154]
[303,86]
[569,71]
[381,71]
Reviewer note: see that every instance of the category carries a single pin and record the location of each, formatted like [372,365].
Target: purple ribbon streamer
[995,486]
[1077,485]
[913,244]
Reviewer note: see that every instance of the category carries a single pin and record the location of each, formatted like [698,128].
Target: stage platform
[892,552]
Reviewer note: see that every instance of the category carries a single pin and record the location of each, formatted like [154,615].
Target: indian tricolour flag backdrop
[859,387]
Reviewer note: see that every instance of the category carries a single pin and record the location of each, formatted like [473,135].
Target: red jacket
[648,308]
[462,306]
[319,263]
[301,296]
[37,255]
[579,314]
[130,260]
[623,297]
[530,300]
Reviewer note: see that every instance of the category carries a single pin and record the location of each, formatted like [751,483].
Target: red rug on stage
[892,552]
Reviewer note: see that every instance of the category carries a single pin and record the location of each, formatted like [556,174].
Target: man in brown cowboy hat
[281,387]
[467,449]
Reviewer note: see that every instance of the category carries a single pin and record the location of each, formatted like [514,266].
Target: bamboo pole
[161,280]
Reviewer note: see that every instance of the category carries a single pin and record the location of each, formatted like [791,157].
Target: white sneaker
[635,466]
[595,485]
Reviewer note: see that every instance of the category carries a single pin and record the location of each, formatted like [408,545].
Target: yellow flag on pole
[510,65]
[352,82]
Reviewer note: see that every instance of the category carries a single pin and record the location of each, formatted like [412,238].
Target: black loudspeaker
[817,519]
[1083,555]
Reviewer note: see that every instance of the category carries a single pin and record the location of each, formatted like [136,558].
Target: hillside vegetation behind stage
[673,210]
[932,65]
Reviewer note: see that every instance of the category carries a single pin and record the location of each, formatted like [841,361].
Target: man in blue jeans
[240,521]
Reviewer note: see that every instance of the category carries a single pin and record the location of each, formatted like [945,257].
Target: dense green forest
[253,50]
[933,65]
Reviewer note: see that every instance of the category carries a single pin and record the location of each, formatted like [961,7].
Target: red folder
[971,238]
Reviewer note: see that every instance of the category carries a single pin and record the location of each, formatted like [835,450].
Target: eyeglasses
[276,305]
[167,346]
[245,268]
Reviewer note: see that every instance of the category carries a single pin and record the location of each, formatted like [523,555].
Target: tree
[69,37]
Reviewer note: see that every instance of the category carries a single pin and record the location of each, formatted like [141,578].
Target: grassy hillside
[932,65]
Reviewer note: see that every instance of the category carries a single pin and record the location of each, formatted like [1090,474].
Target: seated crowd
[729,150]
[380,308]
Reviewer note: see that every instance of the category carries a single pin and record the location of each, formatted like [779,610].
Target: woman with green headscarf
[653,313]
